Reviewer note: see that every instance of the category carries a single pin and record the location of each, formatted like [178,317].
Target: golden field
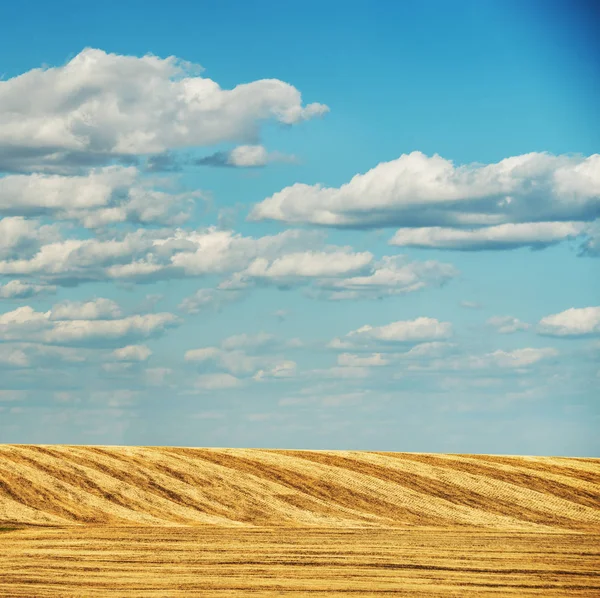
[158,521]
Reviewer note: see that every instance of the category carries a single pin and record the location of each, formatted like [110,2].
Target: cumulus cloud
[130,327]
[403,331]
[100,106]
[217,251]
[308,264]
[352,360]
[246,355]
[339,274]
[470,305]
[20,237]
[202,354]
[132,353]
[18,289]
[536,235]
[97,309]
[509,360]
[13,357]
[245,156]
[244,341]
[519,357]
[100,197]
[26,354]
[282,369]
[417,190]
[507,324]
[25,324]
[427,350]
[204,299]
[534,200]
[236,362]
[591,244]
[571,322]
[288,259]
[392,275]
[145,255]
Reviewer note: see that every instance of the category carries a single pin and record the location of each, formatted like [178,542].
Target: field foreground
[143,521]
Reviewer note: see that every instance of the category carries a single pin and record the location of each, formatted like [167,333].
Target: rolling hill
[59,485]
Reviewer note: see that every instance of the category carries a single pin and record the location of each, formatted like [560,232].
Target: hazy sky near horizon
[332,225]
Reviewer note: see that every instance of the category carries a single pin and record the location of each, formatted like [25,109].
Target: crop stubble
[147,521]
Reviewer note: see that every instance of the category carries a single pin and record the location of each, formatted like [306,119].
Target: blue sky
[357,226]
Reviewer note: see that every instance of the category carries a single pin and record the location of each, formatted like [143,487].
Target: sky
[325,225]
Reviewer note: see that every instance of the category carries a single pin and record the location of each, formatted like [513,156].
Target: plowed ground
[141,521]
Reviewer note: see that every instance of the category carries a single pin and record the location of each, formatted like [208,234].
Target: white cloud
[115,398]
[507,324]
[100,197]
[338,343]
[403,331]
[339,273]
[392,275]
[510,360]
[246,156]
[533,200]
[136,326]
[204,299]
[282,369]
[427,350]
[153,254]
[20,237]
[132,353]
[244,341]
[520,357]
[100,105]
[284,260]
[591,245]
[84,259]
[13,357]
[25,324]
[117,367]
[502,236]
[236,362]
[35,354]
[571,322]
[203,354]
[217,251]
[351,360]
[235,357]
[217,382]
[470,305]
[18,289]
[97,309]
[417,190]
[308,264]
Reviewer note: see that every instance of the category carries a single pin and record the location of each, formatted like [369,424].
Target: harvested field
[218,561]
[144,521]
